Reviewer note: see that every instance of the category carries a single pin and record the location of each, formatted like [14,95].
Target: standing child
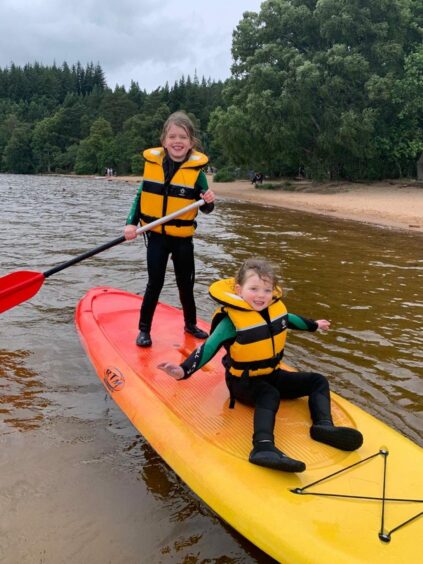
[252,324]
[173,179]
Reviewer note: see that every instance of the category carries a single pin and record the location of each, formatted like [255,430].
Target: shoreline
[388,204]
[394,206]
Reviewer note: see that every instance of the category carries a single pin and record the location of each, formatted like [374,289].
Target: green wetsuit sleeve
[301,323]
[223,332]
[134,213]
[203,185]
[202,182]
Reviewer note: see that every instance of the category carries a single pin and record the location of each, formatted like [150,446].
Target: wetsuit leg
[298,384]
[183,262]
[293,385]
[157,257]
[264,397]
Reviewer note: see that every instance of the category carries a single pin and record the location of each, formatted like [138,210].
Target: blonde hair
[261,267]
[181,119]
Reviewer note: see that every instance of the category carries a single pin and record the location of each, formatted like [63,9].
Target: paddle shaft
[21,285]
[121,239]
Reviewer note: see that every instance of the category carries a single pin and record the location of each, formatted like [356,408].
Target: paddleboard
[362,506]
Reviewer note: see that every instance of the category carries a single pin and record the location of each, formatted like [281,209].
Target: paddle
[20,286]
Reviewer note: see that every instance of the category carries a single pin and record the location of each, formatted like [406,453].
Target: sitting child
[252,324]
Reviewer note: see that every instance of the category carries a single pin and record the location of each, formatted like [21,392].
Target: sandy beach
[393,204]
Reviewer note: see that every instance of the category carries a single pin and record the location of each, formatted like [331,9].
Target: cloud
[143,40]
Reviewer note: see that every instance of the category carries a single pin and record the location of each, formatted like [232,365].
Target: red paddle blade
[18,287]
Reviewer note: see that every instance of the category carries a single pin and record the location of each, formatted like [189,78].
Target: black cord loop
[384,536]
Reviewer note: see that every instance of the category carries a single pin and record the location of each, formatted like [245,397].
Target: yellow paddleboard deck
[363,506]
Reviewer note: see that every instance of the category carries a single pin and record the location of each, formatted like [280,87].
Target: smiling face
[256,291]
[177,142]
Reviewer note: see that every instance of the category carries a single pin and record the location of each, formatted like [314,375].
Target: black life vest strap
[231,394]
[177,222]
[256,365]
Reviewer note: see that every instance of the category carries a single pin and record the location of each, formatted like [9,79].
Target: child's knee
[269,399]
[320,382]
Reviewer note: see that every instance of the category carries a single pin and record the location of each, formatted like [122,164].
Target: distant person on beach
[258,178]
[173,179]
[251,324]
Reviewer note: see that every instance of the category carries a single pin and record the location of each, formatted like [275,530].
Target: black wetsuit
[265,392]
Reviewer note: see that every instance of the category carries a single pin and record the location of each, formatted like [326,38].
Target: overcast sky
[148,41]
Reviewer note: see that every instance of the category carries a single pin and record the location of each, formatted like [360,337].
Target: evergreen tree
[117,107]
[95,152]
[17,155]
[45,144]
[136,95]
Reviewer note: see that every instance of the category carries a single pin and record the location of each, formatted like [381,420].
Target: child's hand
[172,369]
[323,324]
[130,232]
[208,196]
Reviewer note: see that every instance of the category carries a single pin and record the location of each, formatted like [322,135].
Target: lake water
[77,482]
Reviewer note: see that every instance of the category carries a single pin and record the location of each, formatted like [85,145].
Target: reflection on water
[21,403]
[366,280]
[185,507]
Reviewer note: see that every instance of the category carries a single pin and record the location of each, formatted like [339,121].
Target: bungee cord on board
[384,536]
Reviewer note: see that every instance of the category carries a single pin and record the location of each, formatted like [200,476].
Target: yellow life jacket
[158,201]
[258,346]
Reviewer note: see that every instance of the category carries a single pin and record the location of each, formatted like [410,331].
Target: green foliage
[224,175]
[17,155]
[331,87]
[137,164]
[45,143]
[286,186]
[95,153]
[61,109]
[117,107]
[266,186]
[65,162]
[32,81]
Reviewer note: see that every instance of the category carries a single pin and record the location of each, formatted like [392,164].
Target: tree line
[66,119]
[329,89]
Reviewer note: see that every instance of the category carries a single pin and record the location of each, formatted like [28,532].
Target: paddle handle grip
[121,239]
